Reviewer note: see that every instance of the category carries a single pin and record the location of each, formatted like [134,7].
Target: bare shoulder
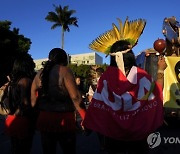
[65,70]
[25,81]
[37,76]
[38,73]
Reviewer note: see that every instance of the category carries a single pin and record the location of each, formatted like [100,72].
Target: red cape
[119,108]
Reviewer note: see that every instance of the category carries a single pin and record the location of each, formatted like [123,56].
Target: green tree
[85,72]
[11,44]
[62,18]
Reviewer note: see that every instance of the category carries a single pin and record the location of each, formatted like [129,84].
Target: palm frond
[55,25]
[73,21]
[66,8]
[52,17]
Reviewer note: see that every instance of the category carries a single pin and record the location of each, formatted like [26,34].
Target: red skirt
[17,126]
[56,122]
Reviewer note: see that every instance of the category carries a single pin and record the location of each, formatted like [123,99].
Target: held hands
[85,130]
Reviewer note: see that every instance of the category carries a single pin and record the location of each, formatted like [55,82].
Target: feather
[131,31]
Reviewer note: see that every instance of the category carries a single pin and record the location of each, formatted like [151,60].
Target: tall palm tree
[62,17]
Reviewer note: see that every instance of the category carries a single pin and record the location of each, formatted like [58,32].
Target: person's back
[55,93]
[19,124]
[127,105]
[56,82]
[57,97]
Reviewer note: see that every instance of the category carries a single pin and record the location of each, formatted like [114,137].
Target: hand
[85,130]
[161,63]
[82,127]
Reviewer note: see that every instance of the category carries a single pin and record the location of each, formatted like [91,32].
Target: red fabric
[17,126]
[82,113]
[56,122]
[116,110]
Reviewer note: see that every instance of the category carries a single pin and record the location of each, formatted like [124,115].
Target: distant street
[90,145]
[85,144]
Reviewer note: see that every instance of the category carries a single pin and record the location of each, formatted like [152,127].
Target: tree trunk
[62,38]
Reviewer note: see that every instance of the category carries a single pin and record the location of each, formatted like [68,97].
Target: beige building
[86,59]
[39,63]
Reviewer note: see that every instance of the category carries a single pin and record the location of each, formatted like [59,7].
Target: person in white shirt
[92,87]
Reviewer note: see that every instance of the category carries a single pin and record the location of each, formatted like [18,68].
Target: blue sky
[94,18]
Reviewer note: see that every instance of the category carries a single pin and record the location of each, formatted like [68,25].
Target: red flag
[125,108]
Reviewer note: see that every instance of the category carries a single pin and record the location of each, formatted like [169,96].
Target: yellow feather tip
[131,30]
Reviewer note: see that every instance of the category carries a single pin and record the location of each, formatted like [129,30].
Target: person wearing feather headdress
[127,105]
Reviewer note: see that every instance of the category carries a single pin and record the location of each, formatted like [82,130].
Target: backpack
[4,100]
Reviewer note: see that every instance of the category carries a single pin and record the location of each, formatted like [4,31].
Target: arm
[73,91]
[160,71]
[90,93]
[34,89]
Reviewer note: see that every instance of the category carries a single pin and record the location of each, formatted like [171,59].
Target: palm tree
[62,17]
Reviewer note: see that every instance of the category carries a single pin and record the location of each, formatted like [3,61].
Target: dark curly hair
[129,57]
[57,56]
[99,71]
[23,66]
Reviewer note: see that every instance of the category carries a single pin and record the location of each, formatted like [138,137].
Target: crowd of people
[49,100]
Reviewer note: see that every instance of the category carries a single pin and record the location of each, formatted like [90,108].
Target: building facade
[86,58]
[39,63]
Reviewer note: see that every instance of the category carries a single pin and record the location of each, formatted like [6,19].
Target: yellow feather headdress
[130,31]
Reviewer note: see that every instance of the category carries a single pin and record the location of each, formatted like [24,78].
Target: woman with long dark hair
[19,124]
[55,93]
